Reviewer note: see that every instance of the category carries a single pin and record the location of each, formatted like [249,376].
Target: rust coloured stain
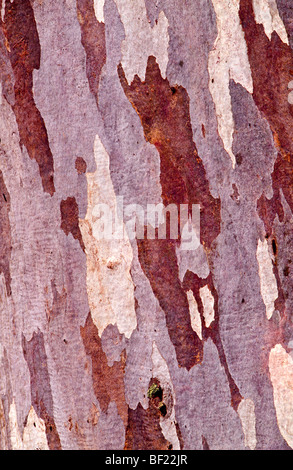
[5,233]
[80,165]
[164,114]
[69,219]
[94,43]
[108,382]
[24,52]
[41,394]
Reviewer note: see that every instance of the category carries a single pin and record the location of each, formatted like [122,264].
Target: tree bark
[136,342]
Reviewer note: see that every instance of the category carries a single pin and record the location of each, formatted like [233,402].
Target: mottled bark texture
[139,343]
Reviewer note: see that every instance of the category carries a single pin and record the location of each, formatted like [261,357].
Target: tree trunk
[136,341]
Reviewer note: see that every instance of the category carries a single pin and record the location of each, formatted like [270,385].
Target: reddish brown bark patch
[108,382]
[70,220]
[159,263]
[164,113]
[80,165]
[94,42]
[143,431]
[23,45]
[5,234]
[41,394]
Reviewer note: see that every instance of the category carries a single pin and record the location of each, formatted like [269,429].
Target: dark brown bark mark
[143,431]
[108,382]
[41,394]
[5,234]
[23,45]
[94,42]
[195,283]
[164,113]
[179,435]
[70,220]
[205,445]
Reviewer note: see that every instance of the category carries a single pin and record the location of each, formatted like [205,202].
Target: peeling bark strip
[196,284]
[164,113]
[24,52]
[69,219]
[271,63]
[41,394]
[159,263]
[94,43]
[5,234]
[108,382]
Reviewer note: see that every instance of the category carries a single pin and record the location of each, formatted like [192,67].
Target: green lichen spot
[153,390]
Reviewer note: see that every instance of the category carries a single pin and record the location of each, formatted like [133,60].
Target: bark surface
[137,343]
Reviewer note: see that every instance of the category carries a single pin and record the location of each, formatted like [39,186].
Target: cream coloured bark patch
[266,13]
[141,40]
[161,372]
[281,372]
[268,283]
[34,433]
[3,436]
[194,314]
[109,284]
[3,10]
[247,417]
[290,95]
[99,10]
[15,437]
[228,60]
[208,305]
